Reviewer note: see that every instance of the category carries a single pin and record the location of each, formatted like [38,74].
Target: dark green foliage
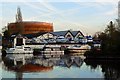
[6,39]
[6,34]
[110,39]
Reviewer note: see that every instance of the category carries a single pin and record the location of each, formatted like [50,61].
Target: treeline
[110,38]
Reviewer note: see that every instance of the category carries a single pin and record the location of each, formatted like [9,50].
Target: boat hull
[17,51]
[77,50]
[81,49]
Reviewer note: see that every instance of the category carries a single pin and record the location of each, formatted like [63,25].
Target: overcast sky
[85,15]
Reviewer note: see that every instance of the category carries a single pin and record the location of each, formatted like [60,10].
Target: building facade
[29,27]
[66,34]
[25,27]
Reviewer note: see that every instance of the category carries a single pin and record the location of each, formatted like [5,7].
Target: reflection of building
[40,65]
[30,68]
[34,68]
[25,27]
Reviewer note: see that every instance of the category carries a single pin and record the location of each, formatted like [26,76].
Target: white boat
[19,50]
[49,52]
[78,49]
[18,54]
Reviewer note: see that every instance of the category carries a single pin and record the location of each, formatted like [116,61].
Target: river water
[76,68]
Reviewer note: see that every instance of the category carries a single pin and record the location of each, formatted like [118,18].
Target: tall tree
[110,29]
[110,38]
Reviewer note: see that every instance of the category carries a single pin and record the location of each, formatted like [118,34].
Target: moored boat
[19,50]
[48,52]
[78,49]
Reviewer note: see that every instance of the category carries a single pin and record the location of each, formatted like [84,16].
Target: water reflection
[41,64]
[110,68]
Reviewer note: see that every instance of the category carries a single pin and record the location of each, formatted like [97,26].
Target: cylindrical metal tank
[30,27]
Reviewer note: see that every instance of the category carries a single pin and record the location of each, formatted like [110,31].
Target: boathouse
[66,34]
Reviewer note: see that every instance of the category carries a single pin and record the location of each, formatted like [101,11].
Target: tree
[6,34]
[110,29]
[110,38]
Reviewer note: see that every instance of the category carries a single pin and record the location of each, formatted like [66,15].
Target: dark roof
[34,35]
[74,33]
[30,36]
[59,33]
[18,36]
[63,33]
